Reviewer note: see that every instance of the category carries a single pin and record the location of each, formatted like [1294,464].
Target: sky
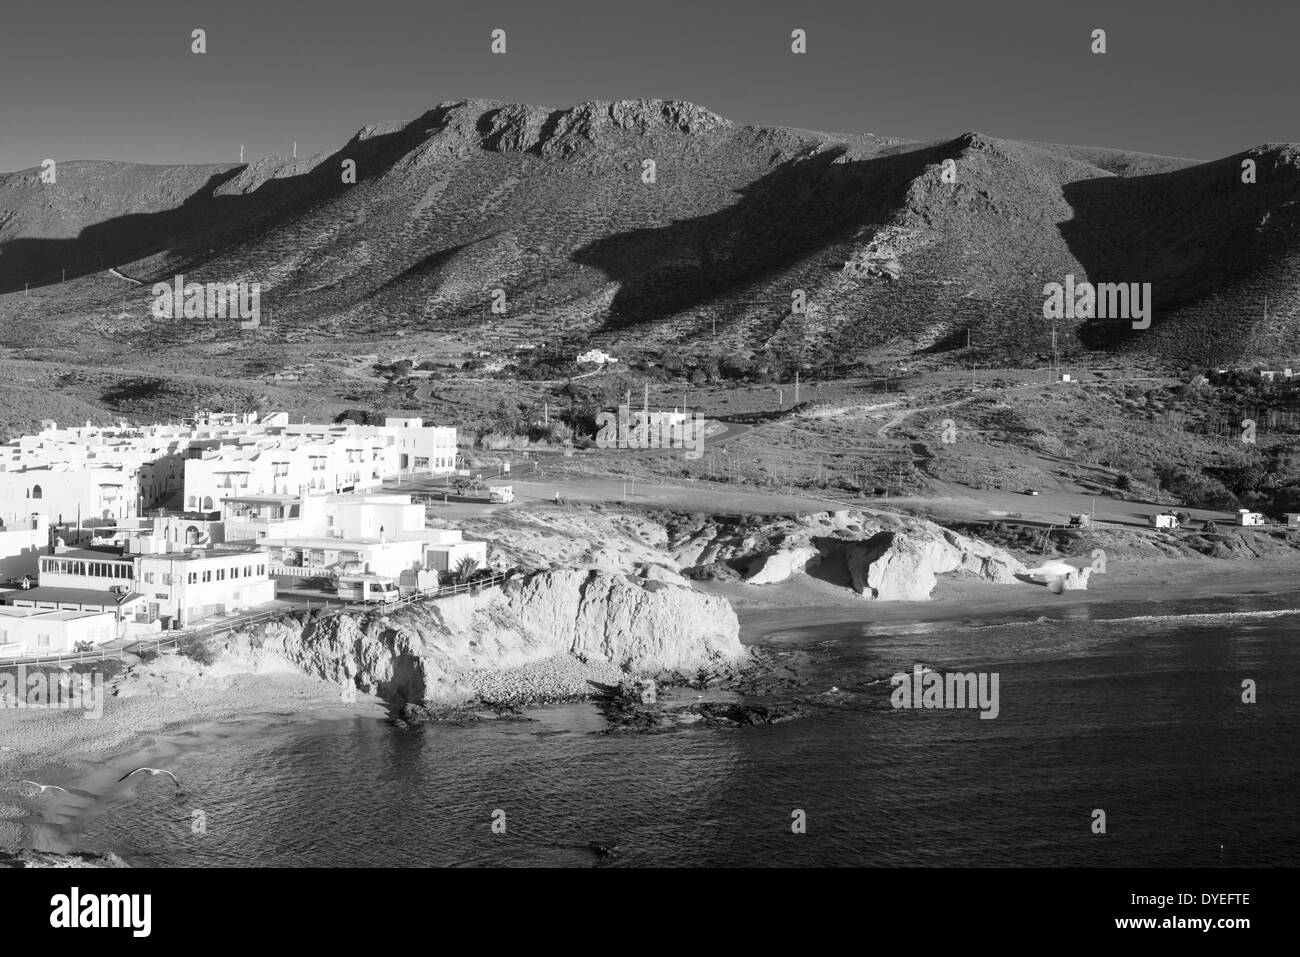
[89,79]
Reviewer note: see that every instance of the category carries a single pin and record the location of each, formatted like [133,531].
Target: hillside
[550,207]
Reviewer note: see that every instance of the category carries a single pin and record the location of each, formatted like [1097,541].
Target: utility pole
[796,386]
[241,152]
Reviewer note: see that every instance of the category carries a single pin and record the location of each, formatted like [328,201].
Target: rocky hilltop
[897,244]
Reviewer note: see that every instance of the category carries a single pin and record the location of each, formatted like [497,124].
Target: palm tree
[465,568]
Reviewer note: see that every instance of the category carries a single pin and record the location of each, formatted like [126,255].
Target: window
[42,641]
[148,578]
[207,575]
[261,569]
[36,493]
[193,578]
[221,574]
[234,572]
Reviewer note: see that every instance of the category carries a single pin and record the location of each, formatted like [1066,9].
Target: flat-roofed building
[123,605]
[28,631]
[99,477]
[182,588]
[87,568]
[22,542]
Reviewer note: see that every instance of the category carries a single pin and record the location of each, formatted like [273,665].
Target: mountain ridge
[896,244]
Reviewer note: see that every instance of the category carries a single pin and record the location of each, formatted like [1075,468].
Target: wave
[1208,617]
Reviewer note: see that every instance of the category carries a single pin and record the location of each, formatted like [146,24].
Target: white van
[367,588]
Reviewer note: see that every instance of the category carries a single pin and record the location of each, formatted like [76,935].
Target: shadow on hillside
[1188,232]
[800,208]
[199,228]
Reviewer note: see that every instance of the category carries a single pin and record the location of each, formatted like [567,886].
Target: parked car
[1031,491]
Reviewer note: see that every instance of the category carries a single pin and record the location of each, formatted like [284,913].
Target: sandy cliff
[433,651]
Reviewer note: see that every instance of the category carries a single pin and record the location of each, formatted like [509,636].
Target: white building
[379,534]
[312,458]
[176,588]
[181,588]
[595,357]
[446,551]
[96,477]
[100,475]
[27,632]
[21,545]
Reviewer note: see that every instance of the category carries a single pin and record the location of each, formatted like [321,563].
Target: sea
[1121,739]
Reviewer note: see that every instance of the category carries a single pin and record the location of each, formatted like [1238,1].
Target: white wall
[21,545]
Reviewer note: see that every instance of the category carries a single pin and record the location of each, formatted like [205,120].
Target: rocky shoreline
[29,858]
[632,703]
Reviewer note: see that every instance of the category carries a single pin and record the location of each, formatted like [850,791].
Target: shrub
[197,649]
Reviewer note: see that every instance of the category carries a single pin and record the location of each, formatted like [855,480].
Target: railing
[442,592]
[297,571]
[71,657]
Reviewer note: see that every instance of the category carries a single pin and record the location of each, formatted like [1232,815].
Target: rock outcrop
[761,550]
[430,651]
[879,554]
[30,858]
[779,566]
[896,566]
